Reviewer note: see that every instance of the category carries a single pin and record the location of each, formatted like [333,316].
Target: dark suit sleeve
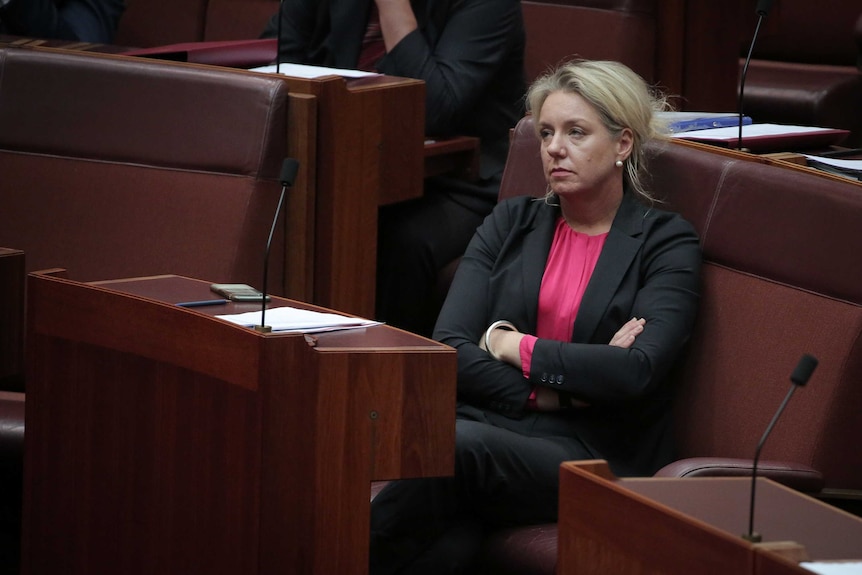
[92,20]
[482,380]
[83,20]
[298,23]
[477,37]
[662,286]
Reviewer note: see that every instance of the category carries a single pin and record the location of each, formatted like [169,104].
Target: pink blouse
[570,265]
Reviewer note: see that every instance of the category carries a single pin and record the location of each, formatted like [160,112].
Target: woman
[567,314]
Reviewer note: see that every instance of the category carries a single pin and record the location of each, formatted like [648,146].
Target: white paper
[838,163]
[833,567]
[291,319]
[305,71]
[748,131]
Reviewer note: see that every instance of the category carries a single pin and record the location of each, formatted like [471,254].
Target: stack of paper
[688,121]
[291,319]
[768,137]
[848,168]
[310,72]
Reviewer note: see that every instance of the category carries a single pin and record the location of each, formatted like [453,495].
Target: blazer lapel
[621,246]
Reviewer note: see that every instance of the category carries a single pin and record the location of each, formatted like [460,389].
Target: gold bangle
[499,324]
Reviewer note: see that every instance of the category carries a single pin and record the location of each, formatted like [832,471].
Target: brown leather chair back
[120,167]
[557,30]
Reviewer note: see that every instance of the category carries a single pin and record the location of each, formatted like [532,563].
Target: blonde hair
[622,99]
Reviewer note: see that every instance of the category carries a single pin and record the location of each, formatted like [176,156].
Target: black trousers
[506,474]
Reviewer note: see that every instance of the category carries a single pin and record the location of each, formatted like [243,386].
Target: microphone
[762,9]
[278,42]
[289,168]
[799,378]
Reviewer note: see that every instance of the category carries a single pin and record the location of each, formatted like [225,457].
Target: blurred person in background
[75,20]
[470,54]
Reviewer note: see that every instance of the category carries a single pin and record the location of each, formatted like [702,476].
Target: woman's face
[578,152]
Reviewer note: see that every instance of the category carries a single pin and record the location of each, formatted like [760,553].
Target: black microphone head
[803,370]
[289,168]
[763,7]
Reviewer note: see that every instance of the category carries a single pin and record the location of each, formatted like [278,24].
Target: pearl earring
[618,163]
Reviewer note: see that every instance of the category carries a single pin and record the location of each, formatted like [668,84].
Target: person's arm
[466,315]
[298,21]
[506,343]
[397,20]
[667,300]
[509,346]
[91,20]
[477,37]
[83,20]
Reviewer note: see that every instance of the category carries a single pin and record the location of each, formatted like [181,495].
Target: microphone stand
[278,40]
[799,378]
[762,9]
[751,535]
[288,174]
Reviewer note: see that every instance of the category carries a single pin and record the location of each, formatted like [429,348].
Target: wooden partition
[672,526]
[163,440]
[369,153]
[697,52]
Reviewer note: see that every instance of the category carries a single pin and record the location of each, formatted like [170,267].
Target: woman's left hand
[626,335]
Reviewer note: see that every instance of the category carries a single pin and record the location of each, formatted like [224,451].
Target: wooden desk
[671,526]
[23,42]
[11,319]
[370,152]
[789,161]
[162,440]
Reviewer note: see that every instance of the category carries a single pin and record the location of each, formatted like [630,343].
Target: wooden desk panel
[161,440]
[670,526]
[789,161]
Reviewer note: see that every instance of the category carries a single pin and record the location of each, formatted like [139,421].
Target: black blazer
[649,267]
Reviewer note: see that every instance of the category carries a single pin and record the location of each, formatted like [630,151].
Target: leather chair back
[121,167]
[623,30]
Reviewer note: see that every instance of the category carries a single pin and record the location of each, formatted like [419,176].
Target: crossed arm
[397,20]
[506,346]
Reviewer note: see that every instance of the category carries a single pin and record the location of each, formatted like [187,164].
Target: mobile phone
[238,292]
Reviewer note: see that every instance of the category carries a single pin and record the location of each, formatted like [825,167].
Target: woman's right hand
[549,400]
[626,335]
